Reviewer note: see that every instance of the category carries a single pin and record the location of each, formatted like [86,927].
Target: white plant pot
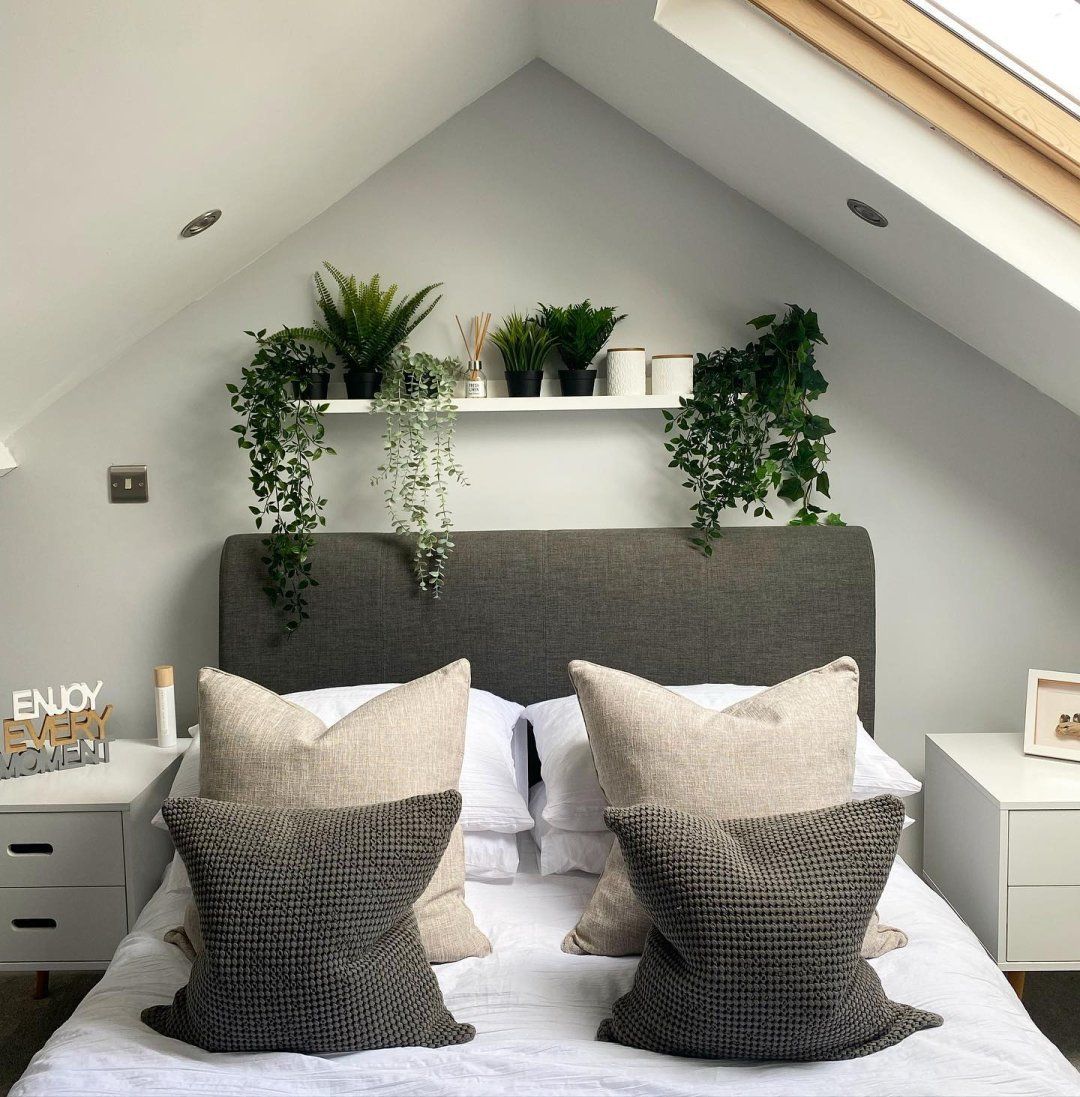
[626,371]
[672,374]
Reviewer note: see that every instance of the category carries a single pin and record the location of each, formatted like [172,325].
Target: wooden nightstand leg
[1016,981]
[41,984]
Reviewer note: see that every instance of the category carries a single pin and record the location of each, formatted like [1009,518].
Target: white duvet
[536,1011]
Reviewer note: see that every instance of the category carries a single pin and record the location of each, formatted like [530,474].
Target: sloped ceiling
[123,121]
[799,135]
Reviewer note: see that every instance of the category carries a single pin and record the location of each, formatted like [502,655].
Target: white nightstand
[1002,845]
[79,858]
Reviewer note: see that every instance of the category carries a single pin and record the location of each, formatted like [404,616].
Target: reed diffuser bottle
[475,381]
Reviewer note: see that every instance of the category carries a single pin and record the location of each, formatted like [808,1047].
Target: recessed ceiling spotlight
[201,223]
[867,213]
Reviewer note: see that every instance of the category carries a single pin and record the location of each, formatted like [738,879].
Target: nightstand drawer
[61,848]
[1044,847]
[1042,925]
[57,924]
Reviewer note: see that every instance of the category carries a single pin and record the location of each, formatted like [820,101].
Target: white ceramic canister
[626,371]
[672,374]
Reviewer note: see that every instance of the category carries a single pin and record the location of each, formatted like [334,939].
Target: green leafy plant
[748,430]
[419,463]
[523,342]
[366,326]
[283,438]
[578,331]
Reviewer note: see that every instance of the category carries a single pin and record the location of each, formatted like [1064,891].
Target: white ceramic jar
[672,374]
[626,371]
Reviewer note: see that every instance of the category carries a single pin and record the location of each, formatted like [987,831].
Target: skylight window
[1036,40]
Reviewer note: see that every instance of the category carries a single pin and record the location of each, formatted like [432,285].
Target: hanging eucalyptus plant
[748,430]
[283,437]
[419,464]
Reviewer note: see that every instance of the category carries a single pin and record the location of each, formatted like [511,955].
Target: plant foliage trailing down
[367,326]
[748,429]
[579,332]
[417,397]
[523,343]
[283,437]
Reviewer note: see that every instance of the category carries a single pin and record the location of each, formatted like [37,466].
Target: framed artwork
[1052,727]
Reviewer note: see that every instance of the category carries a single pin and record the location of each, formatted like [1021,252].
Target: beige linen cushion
[258,748]
[790,748]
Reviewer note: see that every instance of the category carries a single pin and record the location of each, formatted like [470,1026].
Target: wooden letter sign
[71,731]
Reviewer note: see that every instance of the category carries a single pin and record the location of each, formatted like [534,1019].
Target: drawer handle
[21,849]
[33,923]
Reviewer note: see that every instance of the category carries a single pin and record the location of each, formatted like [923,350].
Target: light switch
[128,484]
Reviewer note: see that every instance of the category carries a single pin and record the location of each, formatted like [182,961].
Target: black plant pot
[362,384]
[312,389]
[577,382]
[523,382]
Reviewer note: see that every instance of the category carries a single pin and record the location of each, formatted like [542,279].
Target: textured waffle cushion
[788,748]
[757,923]
[310,940]
[258,748]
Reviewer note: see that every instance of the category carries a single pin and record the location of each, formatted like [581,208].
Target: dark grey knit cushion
[311,943]
[757,925]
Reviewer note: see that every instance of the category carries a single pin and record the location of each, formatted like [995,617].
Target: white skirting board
[7,461]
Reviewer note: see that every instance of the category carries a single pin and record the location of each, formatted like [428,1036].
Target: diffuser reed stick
[478,329]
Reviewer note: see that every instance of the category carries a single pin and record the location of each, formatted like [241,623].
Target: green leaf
[791,489]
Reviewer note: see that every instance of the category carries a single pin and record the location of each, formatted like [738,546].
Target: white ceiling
[125,120]
[122,121]
[799,135]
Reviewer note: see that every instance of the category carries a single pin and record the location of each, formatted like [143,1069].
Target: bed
[771,603]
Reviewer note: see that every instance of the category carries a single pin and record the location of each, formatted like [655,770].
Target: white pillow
[566,850]
[572,850]
[490,855]
[575,800]
[489,793]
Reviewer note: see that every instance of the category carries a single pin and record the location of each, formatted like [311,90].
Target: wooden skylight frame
[993,113]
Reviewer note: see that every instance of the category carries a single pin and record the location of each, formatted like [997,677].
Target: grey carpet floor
[1052,998]
[25,1024]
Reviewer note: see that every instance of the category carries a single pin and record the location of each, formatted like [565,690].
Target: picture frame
[1052,694]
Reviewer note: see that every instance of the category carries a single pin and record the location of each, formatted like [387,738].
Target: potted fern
[523,344]
[578,333]
[366,327]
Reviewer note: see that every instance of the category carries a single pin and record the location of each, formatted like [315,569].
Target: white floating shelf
[527,403]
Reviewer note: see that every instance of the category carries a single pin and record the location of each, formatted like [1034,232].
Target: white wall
[965,476]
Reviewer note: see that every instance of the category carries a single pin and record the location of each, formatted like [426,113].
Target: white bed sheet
[536,1011]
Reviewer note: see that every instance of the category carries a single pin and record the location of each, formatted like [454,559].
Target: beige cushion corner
[790,748]
[410,740]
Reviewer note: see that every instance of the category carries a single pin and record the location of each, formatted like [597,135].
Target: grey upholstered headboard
[771,602]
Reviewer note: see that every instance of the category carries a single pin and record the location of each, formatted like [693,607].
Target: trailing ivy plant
[283,437]
[417,398]
[748,430]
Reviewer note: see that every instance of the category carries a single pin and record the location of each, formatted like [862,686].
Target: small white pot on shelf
[626,371]
[672,374]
